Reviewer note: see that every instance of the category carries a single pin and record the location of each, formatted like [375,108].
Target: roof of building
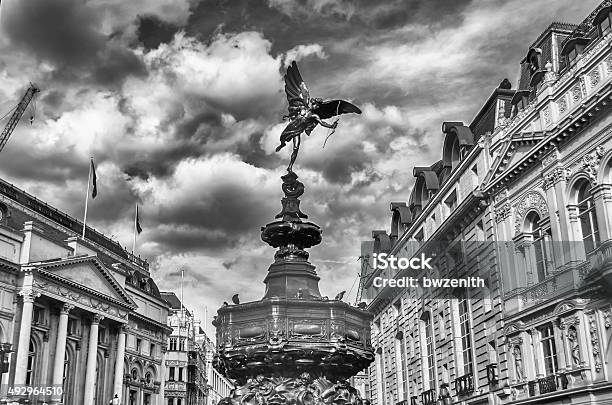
[72,224]
[173,300]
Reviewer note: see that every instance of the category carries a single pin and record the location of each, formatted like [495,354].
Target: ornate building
[81,316]
[185,358]
[521,198]
[218,386]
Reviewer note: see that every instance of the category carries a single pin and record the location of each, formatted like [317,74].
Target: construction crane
[17,114]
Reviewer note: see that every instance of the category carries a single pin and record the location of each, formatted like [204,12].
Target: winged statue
[306,112]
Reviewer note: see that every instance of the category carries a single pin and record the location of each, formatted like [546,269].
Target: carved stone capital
[96,319]
[66,308]
[29,295]
[124,329]
[502,212]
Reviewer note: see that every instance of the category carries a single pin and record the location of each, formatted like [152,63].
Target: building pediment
[86,274]
[512,153]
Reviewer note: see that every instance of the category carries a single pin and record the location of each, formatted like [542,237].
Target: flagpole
[135,230]
[86,201]
[182,307]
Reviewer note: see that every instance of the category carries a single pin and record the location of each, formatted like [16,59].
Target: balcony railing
[428,397]
[464,385]
[547,384]
[414,400]
[531,387]
[403,402]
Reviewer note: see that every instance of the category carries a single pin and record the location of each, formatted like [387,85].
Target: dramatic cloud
[180,103]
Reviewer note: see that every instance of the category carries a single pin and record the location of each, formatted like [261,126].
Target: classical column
[162,375]
[92,355]
[119,361]
[60,349]
[21,364]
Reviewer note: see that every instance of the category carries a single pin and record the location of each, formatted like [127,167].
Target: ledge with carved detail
[574,379]
[585,276]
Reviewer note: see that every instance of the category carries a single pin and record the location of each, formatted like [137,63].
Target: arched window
[587,217]
[31,363]
[541,237]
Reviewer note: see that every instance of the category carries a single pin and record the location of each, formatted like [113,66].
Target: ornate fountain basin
[289,336]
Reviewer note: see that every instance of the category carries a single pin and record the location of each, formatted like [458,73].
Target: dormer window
[602,21]
[573,47]
[604,26]
[534,59]
[520,101]
[572,55]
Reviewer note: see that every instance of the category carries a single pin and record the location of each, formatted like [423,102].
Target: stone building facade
[219,386]
[521,198]
[185,359]
[80,316]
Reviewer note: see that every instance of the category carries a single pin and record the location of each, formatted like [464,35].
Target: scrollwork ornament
[301,390]
[594,77]
[589,164]
[562,104]
[502,212]
[595,343]
[531,200]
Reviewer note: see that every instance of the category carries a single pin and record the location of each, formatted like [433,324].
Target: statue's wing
[332,108]
[297,92]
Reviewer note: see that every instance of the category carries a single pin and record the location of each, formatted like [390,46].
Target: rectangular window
[182,345]
[72,327]
[171,374]
[102,335]
[451,202]
[604,26]
[38,315]
[466,338]
[572,55]
[152,350]
[400,356]
[480,233]
[138,345]
[173,344]
[429,344]
[588,224]
[419,236]
[180,373]
[549,349]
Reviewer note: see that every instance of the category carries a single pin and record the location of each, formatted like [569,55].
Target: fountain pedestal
[293,346]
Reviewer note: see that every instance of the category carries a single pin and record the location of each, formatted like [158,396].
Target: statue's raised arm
[305,113]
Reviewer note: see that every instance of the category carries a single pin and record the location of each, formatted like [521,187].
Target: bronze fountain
[294,346]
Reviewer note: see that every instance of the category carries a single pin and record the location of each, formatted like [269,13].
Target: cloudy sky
[180,102]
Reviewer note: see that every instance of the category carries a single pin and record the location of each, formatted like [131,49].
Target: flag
[94,182]
[138,228]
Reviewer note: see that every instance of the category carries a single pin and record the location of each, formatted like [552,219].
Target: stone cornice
[565,129]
